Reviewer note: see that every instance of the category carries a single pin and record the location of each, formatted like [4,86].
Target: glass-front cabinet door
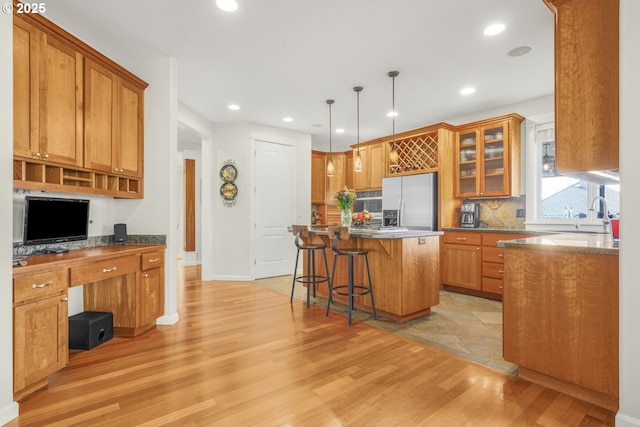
[467,149]
[495,168]
[482,161]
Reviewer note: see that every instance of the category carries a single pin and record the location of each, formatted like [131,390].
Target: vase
[345,218]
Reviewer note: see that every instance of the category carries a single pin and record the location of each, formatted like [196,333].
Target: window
[556,199]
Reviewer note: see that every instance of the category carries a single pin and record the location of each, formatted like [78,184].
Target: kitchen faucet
[606,222]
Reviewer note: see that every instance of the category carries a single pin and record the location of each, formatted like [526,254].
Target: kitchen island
[404,270]
[560,312]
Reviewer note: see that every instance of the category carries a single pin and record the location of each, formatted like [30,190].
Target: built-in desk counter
[404,269]
[126,280]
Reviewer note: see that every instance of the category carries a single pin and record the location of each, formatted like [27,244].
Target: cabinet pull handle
[109,270]
[154,260]
[42,285]
[500,287]
[145,275]
[501,255]
[501,271]
[461,238]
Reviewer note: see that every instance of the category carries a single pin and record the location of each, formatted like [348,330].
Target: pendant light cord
[358,89]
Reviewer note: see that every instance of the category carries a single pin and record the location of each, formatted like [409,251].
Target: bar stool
[336,234]
[311,278]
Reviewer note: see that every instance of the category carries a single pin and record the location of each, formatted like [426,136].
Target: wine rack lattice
[416,154]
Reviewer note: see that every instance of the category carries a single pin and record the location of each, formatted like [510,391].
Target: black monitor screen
[51,220]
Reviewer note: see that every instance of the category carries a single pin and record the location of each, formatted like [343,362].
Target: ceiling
[277,58]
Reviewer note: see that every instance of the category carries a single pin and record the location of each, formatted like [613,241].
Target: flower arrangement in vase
[345,198]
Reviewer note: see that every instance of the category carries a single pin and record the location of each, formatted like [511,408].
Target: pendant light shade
[357,160]
[548,163]
[393,151]
[330,167]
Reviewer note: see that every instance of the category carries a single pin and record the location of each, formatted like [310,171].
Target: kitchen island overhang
[404,265]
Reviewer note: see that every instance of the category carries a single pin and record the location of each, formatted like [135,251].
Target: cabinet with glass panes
[487,158]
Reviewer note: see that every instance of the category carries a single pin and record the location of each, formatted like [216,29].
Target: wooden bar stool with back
[312,278]
[350,290]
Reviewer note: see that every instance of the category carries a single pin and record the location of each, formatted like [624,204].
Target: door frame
[258,136]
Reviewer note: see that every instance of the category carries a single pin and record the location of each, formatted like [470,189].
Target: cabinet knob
[64,299]
[46,156]
[37,154]
[145,275]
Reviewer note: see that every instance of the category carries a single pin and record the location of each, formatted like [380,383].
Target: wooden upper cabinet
[586,84]
[487,158]
[113,122]
[336,182]
[48,81]
[318,177]
[373,167]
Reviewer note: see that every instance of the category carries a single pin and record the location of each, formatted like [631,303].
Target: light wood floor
[241,355]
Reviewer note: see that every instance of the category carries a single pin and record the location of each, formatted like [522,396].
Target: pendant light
[548,162]
[393,152]
[357,160]
[330,167]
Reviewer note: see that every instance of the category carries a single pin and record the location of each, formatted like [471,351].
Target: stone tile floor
[464,325]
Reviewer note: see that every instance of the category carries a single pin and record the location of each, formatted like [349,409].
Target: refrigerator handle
[401,212]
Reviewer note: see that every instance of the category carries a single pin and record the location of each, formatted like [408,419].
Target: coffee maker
[470,215]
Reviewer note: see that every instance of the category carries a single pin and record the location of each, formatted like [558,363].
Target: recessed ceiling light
[519,51]
[233,107]
[494,29]
[227,5]
[467,90]
[339,130]
[287,119]
[392,114]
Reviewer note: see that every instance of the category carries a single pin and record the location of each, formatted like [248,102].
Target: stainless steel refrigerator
[411,201]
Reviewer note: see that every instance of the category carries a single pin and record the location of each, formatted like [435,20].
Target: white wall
[8,408]
[629,413]
[156,214]
[232,229]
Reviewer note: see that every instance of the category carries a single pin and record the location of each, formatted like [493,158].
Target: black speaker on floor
[89,329]
[120,233]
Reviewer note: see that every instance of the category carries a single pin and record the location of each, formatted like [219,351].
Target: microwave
[370,201]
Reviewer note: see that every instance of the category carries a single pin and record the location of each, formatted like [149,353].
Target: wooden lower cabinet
[472,261]
[40,336]
[561,321]
[462,260]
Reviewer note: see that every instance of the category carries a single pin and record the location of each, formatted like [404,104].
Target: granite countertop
[372,233]
[585,243]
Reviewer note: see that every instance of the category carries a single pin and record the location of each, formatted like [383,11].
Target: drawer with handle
[493,254]
[104,269]
[152,260]
[40,285]
[492,269]
[462,238]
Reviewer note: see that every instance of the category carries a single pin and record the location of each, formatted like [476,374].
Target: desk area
[126,280]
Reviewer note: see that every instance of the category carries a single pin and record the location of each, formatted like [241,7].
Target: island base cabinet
[404,274]
[561,321]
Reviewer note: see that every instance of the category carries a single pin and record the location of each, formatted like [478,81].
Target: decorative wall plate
[228,173]
[228,191]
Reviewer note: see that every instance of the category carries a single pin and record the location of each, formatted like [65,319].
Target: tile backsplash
[502,213]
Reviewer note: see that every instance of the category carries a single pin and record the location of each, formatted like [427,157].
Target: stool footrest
[361,290]
[311,279]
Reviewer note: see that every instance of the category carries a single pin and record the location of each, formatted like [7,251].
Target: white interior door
[273,214]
